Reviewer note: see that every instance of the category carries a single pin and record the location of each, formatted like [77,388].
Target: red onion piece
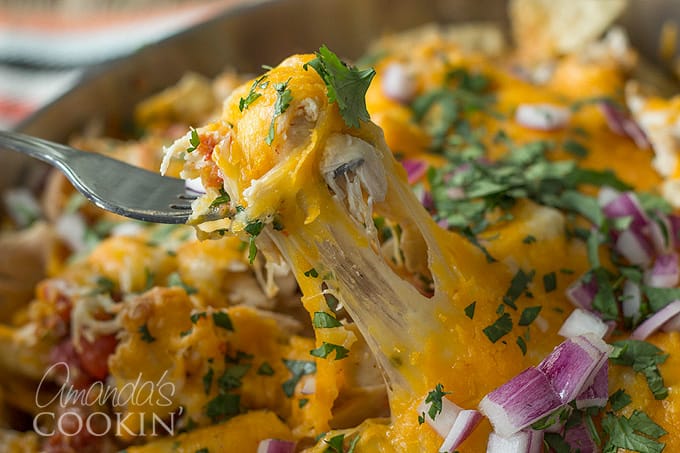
[398,83]
[521,401]
[633,246]
[581,293]
[444,421]
[415,169]
[656,321]
[598,393]
[606,195]
[542,117]
[659,231]
[627,205]
[572,365]
[622,124]
[275,446]
[465,423]
[665,273]
[674,231]
[582,322]
[528,441]
[195,185]
[673,325]
[631,300]
[578,438]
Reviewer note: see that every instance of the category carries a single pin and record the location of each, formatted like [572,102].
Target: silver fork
[111,184]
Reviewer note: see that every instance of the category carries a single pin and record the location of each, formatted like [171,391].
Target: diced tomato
[65,352]
[94,356]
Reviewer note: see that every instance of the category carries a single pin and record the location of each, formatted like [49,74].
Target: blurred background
[46,45]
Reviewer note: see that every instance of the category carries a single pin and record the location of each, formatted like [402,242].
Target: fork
[111,184]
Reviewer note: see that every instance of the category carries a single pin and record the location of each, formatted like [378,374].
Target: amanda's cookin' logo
[71,411]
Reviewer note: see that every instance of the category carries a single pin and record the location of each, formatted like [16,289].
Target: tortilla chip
[547,28]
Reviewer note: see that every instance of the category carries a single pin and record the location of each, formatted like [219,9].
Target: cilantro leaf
[518,285]
[637,433]
[223,407]
[644,358]
[346,85]
[174,280]
[265,369]
[528,315]
[283,99]
[619,399]
[253,95]
[501,327]
[435,398]
[297,368]
[222,319]
[194,141]
[327,348]
[470,310]
[146,335]
[323,320]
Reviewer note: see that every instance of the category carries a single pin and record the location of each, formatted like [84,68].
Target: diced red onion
[673,325]
[627,205]
[521,401]
[622,124]
[581,322]
[578,438]
[665,273]
[656,321]
[581,293]
[427,200]
[275,446]
[195,185]
[633,246]
[661,237]
[606,195]
[398,83]
[572,365]
[444,421]
[415,169]
[308,386]
[465,423]
[674,231]
[542,117]
[444,223]
[631,300]
[597,394]
[528,441]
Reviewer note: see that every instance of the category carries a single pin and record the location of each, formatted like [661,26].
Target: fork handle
[50,152]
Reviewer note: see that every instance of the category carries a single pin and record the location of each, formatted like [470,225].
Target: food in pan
[449,245]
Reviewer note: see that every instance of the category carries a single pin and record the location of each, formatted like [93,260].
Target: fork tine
[187,197]
[180,206]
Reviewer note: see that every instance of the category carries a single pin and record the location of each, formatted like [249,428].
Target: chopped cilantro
[196,316]
[518,285]
[202,450]
[346,85]
[575,148]
[619,399]
[222,319]
[335,444]
[522,345]
[556,443]
[146,335]
[327,348]
[283,98]
[252,250]
[222,198]
[223,407]
[302,402]
[644,358]
[207,380]
[253,95]
[636,433]
[529,239]
[231,378]
[501,327]
[660,297]
[323,320]
[550,282]
[311,273]
[265,369]
[194,141]
[297,368]
[434,397]
[470,310]
[528,315]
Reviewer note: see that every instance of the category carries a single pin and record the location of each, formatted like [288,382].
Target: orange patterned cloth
[44,52]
